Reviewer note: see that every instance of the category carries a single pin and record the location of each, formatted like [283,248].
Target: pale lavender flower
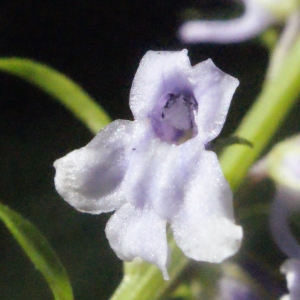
[258,16]
[155,170]
[291,268]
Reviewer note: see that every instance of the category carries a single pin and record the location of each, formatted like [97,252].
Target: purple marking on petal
[173,119]
[158,75]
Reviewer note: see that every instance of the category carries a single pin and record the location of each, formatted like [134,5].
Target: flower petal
[255,20]
[159,73]
[158,172]
[89,178]
[204,227]
[213,90]
[134,232]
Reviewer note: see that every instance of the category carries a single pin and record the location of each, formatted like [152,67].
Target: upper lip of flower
[144,171]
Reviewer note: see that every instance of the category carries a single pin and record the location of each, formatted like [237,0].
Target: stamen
[174,121]
[178,111]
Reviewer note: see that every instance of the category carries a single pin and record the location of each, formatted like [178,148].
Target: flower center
[173,120]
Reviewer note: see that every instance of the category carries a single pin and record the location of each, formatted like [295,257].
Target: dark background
[99,45]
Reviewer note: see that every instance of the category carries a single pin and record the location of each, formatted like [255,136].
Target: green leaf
[39,251]
[59,86]
[220,144]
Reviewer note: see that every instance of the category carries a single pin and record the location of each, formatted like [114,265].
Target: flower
[291,268]
[258,16]
[155,170]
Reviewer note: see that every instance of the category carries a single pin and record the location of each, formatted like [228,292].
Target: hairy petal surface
[204,227]
[134,232]
[213,90]
[89,178]
[159,173]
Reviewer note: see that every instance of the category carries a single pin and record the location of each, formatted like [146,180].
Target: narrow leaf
[59,86]
[39,251]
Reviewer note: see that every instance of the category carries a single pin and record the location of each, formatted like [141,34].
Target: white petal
[159,72]
[213,90]
[134,232]
[89,178]
[204,227]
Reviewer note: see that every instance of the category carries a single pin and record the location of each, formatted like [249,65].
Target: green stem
[259,125]
[264,118]
[286,40]
[59,86]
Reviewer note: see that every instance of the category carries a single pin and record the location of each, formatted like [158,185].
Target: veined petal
[204,227]
[159,73]
[213,90]
[134,232]
[89,178]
